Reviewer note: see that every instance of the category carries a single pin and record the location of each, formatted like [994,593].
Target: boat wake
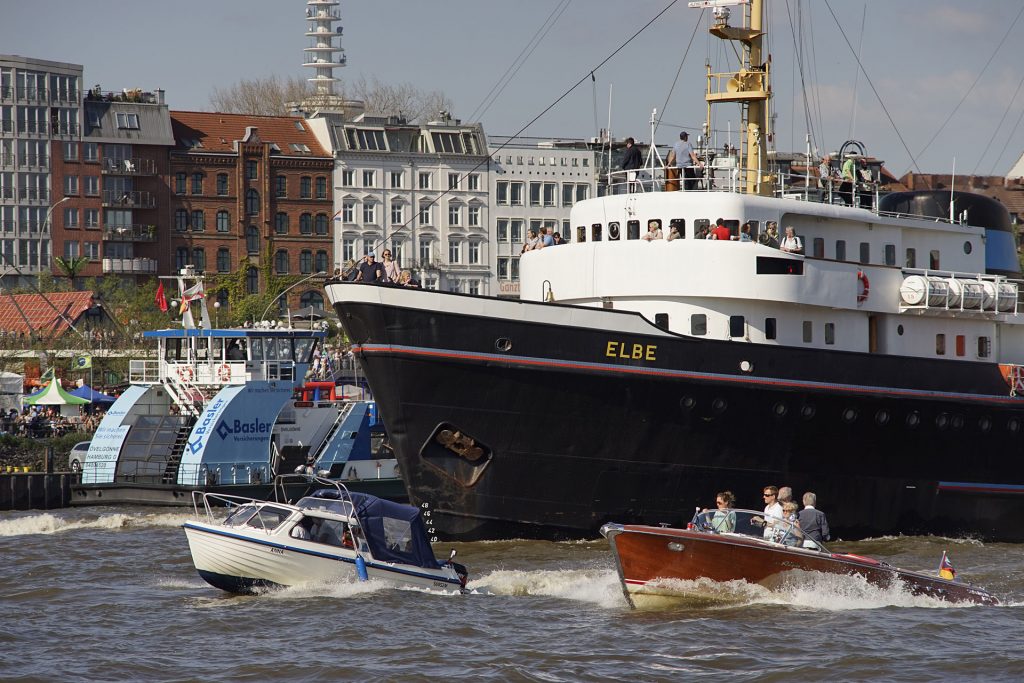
[47,523]
[596,586]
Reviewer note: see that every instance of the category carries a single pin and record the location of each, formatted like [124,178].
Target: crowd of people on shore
[782,521]
[38,422]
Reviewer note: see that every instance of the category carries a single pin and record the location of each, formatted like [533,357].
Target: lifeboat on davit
[659,564]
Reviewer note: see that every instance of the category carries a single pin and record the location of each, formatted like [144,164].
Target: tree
[71,267]
[261,96]
[403,99]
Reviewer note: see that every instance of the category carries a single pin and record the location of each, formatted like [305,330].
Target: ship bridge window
[680,227]
[771,265]
[632,230]
[840,250]
[984,347]
[613,230]
[769,328]
[889,254]
[737,326]
[818,247]
[661,320]
[933,259]
[304,349]
[596,232]
[698,324]
[940,345]
[865,252]
[830,333]
[581,233]
[701,226]
[808,331]
[911,260]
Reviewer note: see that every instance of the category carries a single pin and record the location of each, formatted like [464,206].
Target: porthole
[687,402]
[984,424]
[719,405]
[882,417]
[913,419]
[899,330]
[746,366]
[968,247]
[942,420]
[957,422]
[1013,425]
[780,409]
[503,344]
[807,412]
[613,230]
[850,415]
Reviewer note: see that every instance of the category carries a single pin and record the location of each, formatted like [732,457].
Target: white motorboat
[330,535]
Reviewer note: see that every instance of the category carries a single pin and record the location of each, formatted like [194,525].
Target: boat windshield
[340,507]
[268,517]
[754,524]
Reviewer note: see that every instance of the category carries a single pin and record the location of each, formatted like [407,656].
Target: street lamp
[216,314]
[46,225]
[286,290]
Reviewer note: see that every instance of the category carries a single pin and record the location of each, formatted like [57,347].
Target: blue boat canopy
[394,532]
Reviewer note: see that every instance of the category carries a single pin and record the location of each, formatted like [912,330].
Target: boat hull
[602,416]
[244,560]
[651,559]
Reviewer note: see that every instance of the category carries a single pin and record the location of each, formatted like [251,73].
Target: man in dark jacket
[631,161]
[812,521]
[371,271]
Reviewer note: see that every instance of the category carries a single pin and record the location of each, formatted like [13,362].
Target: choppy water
[109,594]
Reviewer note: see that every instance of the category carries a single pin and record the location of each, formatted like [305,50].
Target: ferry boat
[226,410]
[882,367]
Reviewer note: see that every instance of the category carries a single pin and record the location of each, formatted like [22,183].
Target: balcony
[130,233]
[129,200]
[129,266]
[31,195]
[33,160]
[134,166]
[33,94]
[323,58]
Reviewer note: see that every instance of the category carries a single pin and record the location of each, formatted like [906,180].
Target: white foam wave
[49,523]
[600,587]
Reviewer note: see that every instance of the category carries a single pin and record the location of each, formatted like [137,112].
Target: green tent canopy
[54,395]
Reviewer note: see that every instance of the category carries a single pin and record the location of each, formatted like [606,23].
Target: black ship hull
[508,425]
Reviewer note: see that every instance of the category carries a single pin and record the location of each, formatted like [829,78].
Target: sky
[948,85]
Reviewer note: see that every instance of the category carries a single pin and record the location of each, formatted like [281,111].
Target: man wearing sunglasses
[772,511]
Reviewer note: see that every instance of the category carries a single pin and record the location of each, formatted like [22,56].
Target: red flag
[161,300]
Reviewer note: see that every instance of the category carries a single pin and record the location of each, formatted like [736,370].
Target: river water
[110,594]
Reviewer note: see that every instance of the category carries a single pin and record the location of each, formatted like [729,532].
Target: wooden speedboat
[330,535]
[658,563]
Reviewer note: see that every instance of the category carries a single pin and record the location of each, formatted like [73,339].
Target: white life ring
[185,373]
[224,372]
[863,287]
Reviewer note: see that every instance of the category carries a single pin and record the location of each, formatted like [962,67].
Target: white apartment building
[534,184]
[420,190]
[40,105]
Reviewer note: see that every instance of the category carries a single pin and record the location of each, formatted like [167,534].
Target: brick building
[249,188]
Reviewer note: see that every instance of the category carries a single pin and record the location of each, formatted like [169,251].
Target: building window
[70,151]
[698,324]
[91,151]
[321,261]
[474,253]
[223,260]
[306,261]
[535,189]
[396,180]
[424,213]
[281,261]
[252,280]
[568,190]
[348,178]
[473,182]
[199,258]
[222,184]
[348,249]
[453,181]
[369,213]
[582,191]
[424,180]
[181,220]
[516,235]
[70,218]
[306,224]
[321,224]
[252,202]
[321,187]
[251,170]
[252,239]
[502,229]
[348,211]
[425,252]
[180,258]
[281,223]
[197,183]
[198,221]
[92,218]
[501,192]
[280,186]
[126,121]
[92,251]
[223,221]
[313,299]
[180,179]
[71,250]
[397,213]
[454,214]
[70,185]
[369,179]
[516,194]
[474,217]
[454,251]
[92,186]
[305,187]
[550,193]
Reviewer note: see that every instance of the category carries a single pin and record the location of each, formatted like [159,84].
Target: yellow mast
[749,86]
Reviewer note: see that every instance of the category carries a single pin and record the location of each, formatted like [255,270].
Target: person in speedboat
[724,519]
[772,511]
[790,533]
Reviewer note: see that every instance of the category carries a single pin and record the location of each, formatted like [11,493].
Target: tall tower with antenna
[324,54]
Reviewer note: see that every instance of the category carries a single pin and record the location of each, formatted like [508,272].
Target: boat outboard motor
[460,569]
[980,211]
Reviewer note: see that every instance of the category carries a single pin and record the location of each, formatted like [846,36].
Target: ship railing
[755,525]
[143,371]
